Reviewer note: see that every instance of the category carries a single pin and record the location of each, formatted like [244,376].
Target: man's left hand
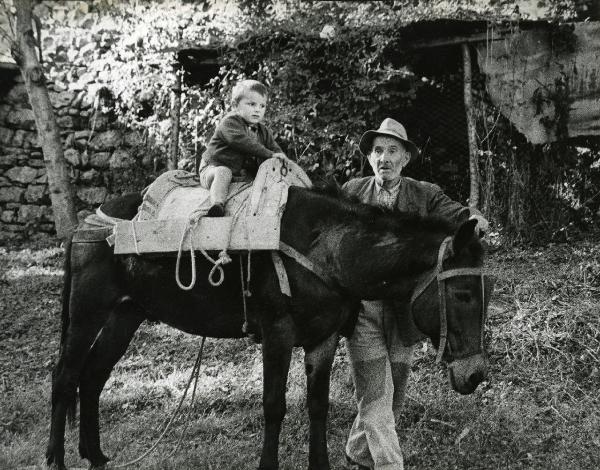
[482,226]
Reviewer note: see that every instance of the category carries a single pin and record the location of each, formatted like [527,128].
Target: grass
[540,408]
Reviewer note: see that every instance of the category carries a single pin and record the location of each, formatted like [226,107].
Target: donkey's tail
[65,320]
[66,292]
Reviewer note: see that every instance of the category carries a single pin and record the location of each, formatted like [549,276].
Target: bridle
[441,276]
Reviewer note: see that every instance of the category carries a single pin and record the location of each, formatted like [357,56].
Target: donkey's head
[449,306]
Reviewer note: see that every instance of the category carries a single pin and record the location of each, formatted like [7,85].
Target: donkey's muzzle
[467,373]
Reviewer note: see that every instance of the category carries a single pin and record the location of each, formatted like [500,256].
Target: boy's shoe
[216,210]
[352,465]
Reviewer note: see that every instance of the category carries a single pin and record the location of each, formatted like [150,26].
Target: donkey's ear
[463,235]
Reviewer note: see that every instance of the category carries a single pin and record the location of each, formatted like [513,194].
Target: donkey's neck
[360,248]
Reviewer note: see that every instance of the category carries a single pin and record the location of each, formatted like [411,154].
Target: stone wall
[104,158]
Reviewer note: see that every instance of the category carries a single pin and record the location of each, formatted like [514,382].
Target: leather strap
[284,283]
[306,263]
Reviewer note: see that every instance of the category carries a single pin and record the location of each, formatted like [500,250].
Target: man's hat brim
[366,142]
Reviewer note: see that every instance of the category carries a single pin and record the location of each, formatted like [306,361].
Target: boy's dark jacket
[235,146]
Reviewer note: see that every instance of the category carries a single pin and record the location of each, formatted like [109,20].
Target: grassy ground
[540,408]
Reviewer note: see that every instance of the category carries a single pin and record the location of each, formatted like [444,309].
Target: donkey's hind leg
[65,377]
[317,362]
[108,349]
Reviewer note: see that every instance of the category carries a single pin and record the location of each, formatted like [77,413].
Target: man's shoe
[216,210]
[352,465]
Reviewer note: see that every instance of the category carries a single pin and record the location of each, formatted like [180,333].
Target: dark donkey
[359,252]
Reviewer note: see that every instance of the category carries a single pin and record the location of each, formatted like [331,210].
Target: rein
[442,276]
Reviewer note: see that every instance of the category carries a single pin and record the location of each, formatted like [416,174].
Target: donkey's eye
[462,296]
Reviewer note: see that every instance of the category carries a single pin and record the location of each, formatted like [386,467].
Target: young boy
[238,139]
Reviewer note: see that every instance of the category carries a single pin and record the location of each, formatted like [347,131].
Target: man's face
[387,158]
[252,107]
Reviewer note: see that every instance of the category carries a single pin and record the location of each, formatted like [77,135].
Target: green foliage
[324,92]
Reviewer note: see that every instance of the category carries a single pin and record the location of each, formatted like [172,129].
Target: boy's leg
[218,179]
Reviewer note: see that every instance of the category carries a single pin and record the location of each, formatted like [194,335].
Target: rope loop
[192,260]
[224,258]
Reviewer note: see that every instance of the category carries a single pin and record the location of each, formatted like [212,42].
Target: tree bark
[61,196]
[473,150]
[175,121]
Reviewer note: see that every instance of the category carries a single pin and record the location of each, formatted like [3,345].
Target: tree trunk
[63,207]
[473,151]
[175,120]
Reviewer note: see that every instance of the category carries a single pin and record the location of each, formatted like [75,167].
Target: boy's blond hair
[242,88]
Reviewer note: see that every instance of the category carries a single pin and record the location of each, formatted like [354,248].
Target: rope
[192,260]
[245,290]
[194,374]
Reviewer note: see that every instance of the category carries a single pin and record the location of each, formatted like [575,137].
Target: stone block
[6,136]
[107,140]
[72,156]
[11,194]
[76,104]
[69,140]
[61,99]
[5,110]
[43,179]
[29,213]
[47,214]
[15,228]
[82,134]
[32,141]
[22,119]
[85,157]
[18,95]
[36,163]
[102,122]
[121,159]
[133,139]
[65,122]
[7,161]
[22,174]
[18,138]
[91,176]
[8,217]
[36,193]
[93,195]
[100,160]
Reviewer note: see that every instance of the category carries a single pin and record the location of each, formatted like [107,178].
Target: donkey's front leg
[318,362]
[278,341]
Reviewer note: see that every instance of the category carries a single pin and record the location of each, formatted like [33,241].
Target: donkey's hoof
[99,463]
[57,466]
[102,466]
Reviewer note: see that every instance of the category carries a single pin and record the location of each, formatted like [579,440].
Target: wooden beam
[498,35]
[473,151]
[211,233]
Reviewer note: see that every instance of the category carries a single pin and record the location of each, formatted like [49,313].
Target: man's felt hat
[389,128]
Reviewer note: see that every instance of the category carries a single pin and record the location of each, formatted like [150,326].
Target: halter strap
[441,276]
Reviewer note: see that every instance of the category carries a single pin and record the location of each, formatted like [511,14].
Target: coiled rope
[218,263]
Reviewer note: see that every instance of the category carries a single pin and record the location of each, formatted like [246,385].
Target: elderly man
[380,352]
